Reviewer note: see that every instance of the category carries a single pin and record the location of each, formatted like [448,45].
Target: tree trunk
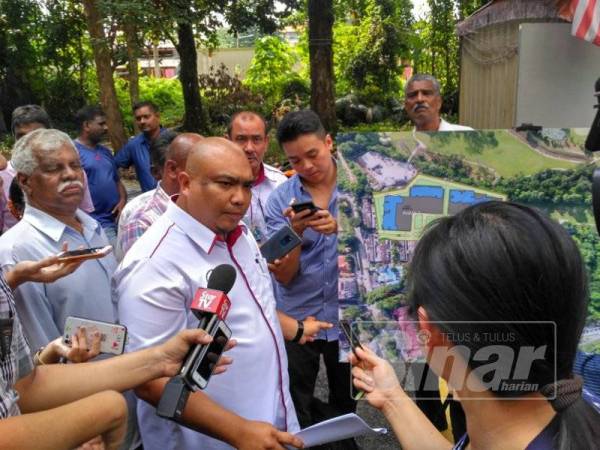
[132,65]
[132,62]
[194,120]
[156,60]
[108,94]
[320,35]
[3,127]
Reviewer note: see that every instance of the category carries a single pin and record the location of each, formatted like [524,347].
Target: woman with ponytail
[508,273]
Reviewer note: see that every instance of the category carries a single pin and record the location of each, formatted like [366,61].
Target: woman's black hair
[508,263]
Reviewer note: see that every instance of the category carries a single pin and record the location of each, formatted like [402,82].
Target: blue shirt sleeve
[274,208]
[123,156]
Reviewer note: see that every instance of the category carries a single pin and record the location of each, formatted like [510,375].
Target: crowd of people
[206,201]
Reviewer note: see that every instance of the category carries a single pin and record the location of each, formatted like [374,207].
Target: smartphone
[350,336]
[198,368]
[84,253]
[112,335]
[353,341]
[301,206]
[280,244]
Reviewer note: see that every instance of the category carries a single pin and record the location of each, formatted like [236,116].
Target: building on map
[368,214]
[385,172]
[406,249]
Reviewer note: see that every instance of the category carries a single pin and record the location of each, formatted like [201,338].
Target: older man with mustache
[423,103]
[49,172]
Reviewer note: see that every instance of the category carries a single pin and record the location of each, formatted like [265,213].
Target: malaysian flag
[585,16]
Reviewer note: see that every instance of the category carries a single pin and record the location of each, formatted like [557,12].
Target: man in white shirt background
[423,103]
[249,131]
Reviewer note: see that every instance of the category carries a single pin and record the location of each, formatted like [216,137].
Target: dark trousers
[303,368]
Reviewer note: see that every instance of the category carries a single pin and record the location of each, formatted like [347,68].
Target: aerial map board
[392,184]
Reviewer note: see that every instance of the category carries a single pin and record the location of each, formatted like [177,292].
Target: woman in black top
[503,288]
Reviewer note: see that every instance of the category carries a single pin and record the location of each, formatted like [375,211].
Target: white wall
[556,78]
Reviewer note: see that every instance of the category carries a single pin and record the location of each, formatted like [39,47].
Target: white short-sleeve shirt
[154,286]
[268,180]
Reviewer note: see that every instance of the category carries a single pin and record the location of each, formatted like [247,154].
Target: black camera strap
[6,331]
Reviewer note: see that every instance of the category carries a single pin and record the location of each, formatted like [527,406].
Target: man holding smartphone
[307,277]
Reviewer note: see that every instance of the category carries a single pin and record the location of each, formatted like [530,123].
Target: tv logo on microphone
[206,299]
[210,301]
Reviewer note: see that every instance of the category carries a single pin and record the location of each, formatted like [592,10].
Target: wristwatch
[300,332]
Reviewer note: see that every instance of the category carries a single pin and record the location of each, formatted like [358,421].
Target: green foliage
[6,144]
[369,46]
[44,57]
[588,242]
[351,313]
[271,69]
[165,93]
[476,141]
[224,94]
[387,298]
[565,187]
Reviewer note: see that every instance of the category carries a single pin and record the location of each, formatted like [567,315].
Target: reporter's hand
[172,353]
[80,350]
[323,222]
[264,436]
[312,326]
[46,270]
[299,221]
[223,361]
[375,376]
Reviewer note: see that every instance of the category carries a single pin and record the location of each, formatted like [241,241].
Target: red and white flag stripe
[586,20]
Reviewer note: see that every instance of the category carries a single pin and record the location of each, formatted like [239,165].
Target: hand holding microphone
[210,305]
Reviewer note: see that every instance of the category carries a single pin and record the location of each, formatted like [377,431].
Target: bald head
[214,151]
[216,184]
[179,149]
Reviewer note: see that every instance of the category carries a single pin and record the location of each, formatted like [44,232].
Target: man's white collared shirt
[447,126]
[44,307]
[155,285]
[255,216]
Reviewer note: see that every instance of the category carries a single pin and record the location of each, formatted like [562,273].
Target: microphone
[210,305]
[592,143]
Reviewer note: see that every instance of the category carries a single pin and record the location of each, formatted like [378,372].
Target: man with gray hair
[25,119]
[50,174]
[423,103]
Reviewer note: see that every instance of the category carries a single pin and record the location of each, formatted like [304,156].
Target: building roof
[501,11]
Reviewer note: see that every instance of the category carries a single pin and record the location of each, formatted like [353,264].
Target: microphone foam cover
[222,278]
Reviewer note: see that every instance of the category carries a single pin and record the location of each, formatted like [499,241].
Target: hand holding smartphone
[202,361]
[112,335]
[85,253]
[280,244]
[302,206]
[354,342]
